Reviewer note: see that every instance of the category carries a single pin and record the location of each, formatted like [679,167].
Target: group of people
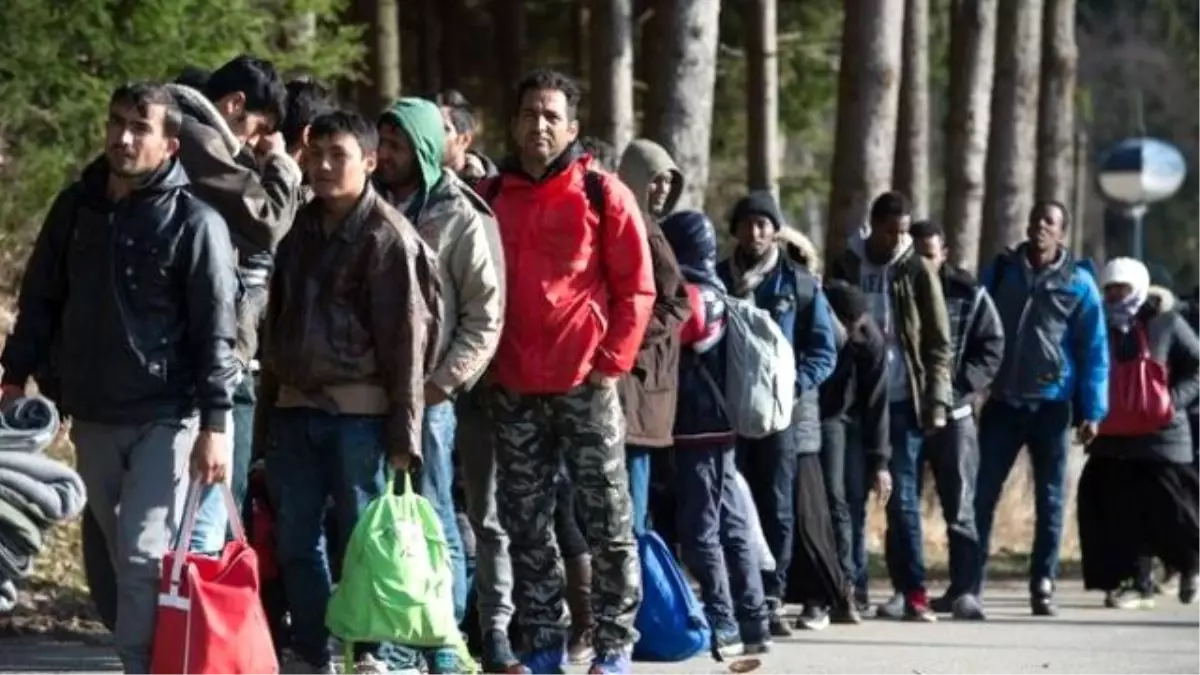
[252,272]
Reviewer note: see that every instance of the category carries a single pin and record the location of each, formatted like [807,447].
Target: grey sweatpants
[143,469]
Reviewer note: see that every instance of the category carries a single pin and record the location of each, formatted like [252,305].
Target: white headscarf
[1133,273]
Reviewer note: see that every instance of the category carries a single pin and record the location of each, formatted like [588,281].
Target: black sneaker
[776,623]
[1187,588]
[1041,599]
[943,604]
[813,618]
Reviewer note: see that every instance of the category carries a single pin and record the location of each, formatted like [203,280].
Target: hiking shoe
[776,623]
[759,646]
[614,663]
[498,656]
[1128,597]
[862,603]
[916,608]
[1187,588]
[846,614]
[813,618]
[727,643]
[1041,599]
[892,609]
[369,665]
[967,607]
[943,604]
[545,661]
[756,637]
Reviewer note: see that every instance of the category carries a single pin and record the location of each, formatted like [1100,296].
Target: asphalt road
[1085,638]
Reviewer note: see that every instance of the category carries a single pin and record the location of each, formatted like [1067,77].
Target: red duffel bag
[1139,390]
[210,618]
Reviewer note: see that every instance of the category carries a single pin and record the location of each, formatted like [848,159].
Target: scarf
[1121,313]
[747,280]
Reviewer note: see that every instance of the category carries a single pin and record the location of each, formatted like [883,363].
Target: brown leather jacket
[353,322]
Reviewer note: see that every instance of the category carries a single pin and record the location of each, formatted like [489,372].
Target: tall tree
[972,68]
[1012,149]
[1056,106]
[508,19]
[868,93]
[450,47]
[911,168]
[382,18]
[653,63]
[431,42]
[689,75]
[762,95]
[612,71]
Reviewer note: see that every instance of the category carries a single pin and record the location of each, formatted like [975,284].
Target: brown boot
[579,601]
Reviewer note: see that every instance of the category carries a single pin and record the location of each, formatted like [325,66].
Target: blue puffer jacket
[1056,343]
[811,332]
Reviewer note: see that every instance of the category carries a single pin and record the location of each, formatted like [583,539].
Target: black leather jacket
[127,309]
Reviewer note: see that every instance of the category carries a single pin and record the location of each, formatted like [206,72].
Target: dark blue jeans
[953,454]
[903,544]
[857,492]
[637,460]
[769,466]
[437,485]
[212,529]
[314,456]
[1003,430]
[714,535]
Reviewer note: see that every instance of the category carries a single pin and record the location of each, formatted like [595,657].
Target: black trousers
[815,576]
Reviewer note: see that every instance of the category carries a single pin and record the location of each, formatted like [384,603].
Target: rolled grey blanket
[8,596]
[28,425]
[20,542]
[46,490]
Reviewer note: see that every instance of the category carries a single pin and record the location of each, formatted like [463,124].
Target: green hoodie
[421,121]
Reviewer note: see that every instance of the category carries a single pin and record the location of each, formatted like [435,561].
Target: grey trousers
[493,566]
[143,470]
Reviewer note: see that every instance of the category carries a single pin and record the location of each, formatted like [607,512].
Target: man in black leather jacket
[128,300]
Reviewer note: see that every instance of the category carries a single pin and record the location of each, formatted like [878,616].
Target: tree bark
[654,63]
[508,18]
[972,68]
[868,93]
[612,72]
[1056,105]
[689,75]
[453,13]
[1012,143]
[431,41]
[382,85]
[911,167]
[1082,182]
[762,95]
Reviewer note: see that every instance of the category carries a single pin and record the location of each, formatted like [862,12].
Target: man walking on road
[580,294]
[133,279]
[1055,370]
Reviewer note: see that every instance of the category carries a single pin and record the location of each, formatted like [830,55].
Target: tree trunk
[1012,144]
[431,41]
[972,67]
[1056,106]
[508,18]
[1079,194]
[612,72]
[911,168]
[382,18]
[689,75]
[762,95]
[451,46]
[580,38]
[868,93]
[654,63]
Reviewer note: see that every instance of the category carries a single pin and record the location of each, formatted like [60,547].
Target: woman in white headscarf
[1138,491]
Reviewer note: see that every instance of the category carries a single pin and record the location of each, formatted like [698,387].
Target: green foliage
[62,58]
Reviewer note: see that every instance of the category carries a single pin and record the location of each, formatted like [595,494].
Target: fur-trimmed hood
[800,249]
[1163,296]
[197,106]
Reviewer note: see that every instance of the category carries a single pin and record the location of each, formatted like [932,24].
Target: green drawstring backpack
[396,578]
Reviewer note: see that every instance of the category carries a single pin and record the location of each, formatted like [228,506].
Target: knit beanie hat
[757,203]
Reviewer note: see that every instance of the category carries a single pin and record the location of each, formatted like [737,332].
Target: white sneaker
[369,665]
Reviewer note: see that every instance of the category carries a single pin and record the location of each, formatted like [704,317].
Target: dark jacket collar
[169,176]
[353,223]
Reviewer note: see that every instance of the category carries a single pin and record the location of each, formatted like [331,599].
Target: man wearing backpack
[905,299]
[1055,369]
[953,452]
[580,292]
[761,272]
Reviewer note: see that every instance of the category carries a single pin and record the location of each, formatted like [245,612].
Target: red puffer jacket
[580,287]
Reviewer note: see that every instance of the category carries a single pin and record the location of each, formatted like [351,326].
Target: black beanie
[846,300]
[757,203]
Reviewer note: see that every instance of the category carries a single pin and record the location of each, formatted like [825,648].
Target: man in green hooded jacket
[460,228]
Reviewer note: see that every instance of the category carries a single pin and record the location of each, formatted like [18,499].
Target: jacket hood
[478,166]
[858,244]
[421,121]
[642,161]
[197,106]
[693,240]
[800,249]
[169,176]
[1161,298]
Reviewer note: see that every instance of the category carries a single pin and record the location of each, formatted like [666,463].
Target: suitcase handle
[191,510]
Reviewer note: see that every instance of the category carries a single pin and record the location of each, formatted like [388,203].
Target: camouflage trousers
[535,435]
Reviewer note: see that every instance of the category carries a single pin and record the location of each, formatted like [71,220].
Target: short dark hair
[346,122]
[602,151]
[194,77]
[544,78]
[462,116]
[306,100]
[142,95]
[925,229]
[1046,203]
[890,205]
[256,79]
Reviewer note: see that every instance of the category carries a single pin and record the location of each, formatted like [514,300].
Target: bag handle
[191,510]
[390,484]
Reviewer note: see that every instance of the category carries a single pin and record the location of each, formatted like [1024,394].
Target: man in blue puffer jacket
[1055,359]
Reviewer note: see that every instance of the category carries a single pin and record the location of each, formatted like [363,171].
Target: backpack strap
[1000,265]
[492,190]
[593,188]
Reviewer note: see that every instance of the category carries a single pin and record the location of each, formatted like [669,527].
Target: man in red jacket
[580,293]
